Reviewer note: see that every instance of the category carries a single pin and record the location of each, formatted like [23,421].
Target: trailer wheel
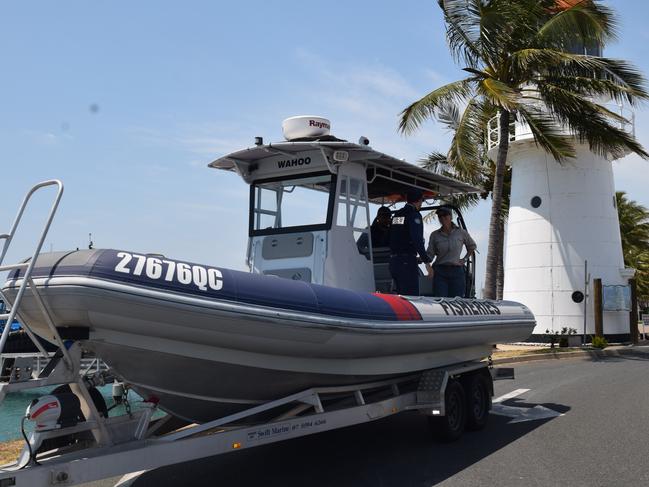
[478,402]
[451,426]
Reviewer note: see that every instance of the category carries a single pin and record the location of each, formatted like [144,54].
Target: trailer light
[236,445]
[394,410]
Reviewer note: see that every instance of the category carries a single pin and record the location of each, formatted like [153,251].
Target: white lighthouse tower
[561,215]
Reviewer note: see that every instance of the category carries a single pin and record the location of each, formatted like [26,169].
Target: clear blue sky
[127,102]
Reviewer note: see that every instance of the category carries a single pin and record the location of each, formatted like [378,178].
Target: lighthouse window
[536,202]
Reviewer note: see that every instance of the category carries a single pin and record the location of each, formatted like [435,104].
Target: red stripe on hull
[403,308]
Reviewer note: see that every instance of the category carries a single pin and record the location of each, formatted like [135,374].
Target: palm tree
[639,260]
[516,55]
[634,230]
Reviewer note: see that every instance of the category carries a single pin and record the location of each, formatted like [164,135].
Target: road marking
[521,414]
[509,395]
[128,479]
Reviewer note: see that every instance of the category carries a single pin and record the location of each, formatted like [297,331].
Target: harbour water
[13,409]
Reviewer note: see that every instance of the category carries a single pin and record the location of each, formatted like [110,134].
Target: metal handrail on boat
[70,375]
[29,266]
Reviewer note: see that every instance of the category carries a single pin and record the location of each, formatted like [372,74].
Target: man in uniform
[406,241]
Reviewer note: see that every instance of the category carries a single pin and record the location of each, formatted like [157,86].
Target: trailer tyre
[478,402]
[451,426]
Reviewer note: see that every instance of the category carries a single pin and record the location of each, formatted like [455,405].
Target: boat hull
[198,390]
[204,356]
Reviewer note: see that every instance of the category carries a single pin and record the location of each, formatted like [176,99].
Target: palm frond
[505,24]
[530,64]
[590,122]
[480,74]
[464,155]
[439,164]
[434,162]
[634,229]
[463,201]
[602,68]
[634,222]
[588,22]
[498,93]
[616,71]
[462,19]
[423,109]
[449,115]
[592,87]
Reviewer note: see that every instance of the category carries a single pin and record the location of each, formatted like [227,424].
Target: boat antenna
[90,244]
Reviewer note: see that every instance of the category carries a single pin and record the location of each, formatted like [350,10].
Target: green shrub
[561,337]
[553,337]
[599,342]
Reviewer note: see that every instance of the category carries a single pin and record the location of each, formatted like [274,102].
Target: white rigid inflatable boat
[207,341]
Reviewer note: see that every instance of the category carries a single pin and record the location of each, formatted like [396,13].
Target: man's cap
[383,210]
[414,194]
[443,210]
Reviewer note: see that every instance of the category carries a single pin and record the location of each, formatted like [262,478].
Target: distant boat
[15,326]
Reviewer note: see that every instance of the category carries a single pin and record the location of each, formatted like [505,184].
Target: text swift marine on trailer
[311,323]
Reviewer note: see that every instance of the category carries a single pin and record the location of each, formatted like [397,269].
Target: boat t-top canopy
[388,178]
[309,216]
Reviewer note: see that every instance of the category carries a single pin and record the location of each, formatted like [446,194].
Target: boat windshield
[288,205]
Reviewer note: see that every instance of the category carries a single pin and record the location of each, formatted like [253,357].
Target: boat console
[313,196]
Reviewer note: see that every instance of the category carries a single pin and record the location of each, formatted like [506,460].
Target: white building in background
[561,215]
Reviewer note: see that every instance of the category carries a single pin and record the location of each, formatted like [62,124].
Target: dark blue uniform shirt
[407,233]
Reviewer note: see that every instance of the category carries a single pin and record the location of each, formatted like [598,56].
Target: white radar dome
[305,126]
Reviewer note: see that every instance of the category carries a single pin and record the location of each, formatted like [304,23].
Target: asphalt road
[600,440]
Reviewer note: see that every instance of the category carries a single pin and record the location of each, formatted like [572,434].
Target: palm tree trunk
[500,275]
[494,249]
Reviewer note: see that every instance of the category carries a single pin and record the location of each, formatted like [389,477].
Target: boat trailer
[132,443]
